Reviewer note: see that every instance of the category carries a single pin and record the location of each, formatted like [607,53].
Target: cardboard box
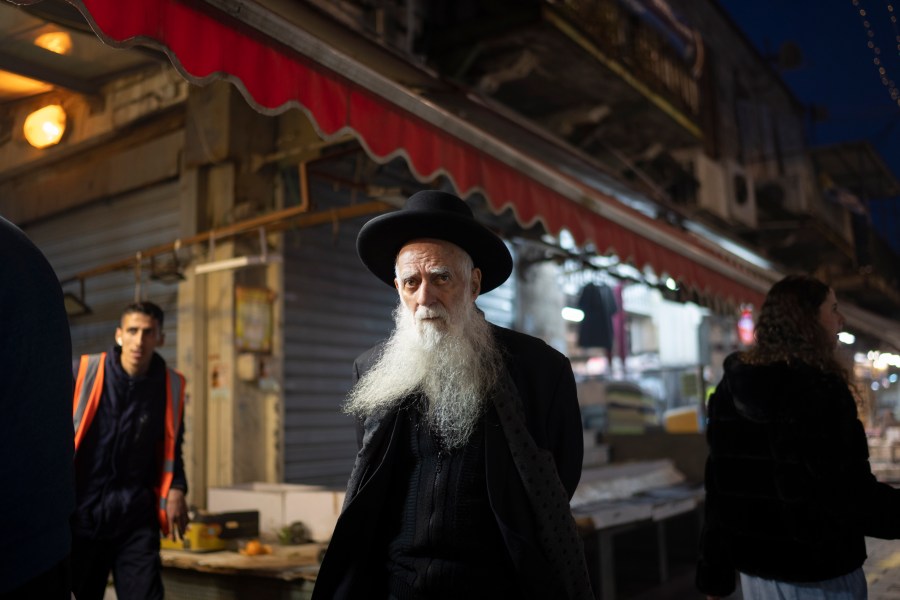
[684,419]
[280,504]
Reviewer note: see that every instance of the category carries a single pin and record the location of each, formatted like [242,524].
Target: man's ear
[161,338]
[476,282]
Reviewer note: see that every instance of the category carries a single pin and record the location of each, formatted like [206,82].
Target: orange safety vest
[89,388]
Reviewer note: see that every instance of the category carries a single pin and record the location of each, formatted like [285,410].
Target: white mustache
[431,312]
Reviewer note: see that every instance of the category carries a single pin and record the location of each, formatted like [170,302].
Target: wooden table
[286,574]
[602,521]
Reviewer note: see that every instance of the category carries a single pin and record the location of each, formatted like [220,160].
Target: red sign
[745,327]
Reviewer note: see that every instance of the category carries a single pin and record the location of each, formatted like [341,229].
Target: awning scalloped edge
[274,79]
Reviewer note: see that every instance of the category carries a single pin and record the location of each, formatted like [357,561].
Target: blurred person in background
[790,495]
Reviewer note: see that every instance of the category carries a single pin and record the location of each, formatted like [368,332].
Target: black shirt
[444,541]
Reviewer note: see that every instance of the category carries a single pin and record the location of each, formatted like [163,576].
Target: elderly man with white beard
[470,434]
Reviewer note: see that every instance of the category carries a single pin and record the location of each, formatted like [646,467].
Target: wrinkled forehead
[433,253]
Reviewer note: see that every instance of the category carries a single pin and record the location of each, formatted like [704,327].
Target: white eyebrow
[439,271]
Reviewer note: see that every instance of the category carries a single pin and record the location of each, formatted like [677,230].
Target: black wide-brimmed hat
[437,215]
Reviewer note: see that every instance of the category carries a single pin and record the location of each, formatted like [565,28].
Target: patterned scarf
[557,533]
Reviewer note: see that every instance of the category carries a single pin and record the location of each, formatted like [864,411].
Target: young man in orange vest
[129,472]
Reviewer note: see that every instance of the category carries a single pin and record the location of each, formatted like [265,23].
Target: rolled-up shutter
[104,232]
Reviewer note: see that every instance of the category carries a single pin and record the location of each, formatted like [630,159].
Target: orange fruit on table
[253,547]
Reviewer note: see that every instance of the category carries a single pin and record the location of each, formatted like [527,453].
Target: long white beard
[453,361]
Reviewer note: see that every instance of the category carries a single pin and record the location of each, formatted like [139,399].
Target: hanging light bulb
[46,126]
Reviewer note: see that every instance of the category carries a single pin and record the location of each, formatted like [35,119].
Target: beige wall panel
[48,191]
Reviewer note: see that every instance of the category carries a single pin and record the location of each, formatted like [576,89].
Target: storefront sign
[253,319]
[745,327]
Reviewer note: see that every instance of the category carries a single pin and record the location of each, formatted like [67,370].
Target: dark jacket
[119,460]
[789,491]
[545,383]
[36,400]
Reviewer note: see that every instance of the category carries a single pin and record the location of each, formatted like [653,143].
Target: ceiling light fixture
[236,263]
[58,42]
[575,315]
[45,126]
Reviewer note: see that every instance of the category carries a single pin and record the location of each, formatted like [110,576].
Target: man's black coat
[353,568]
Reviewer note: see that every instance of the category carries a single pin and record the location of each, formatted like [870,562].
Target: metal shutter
[334,309]
[107,231]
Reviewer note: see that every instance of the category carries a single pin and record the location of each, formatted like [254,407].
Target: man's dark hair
[145,308]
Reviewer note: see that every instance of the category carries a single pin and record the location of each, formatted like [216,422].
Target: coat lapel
[377,437]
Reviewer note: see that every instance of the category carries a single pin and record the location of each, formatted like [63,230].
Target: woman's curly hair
[788,328]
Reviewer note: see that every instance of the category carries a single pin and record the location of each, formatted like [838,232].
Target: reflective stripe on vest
[89,389]
[174,409]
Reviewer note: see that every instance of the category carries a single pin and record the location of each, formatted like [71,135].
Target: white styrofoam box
[318,508]
[280,504]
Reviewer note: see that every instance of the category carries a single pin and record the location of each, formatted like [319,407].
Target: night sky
[838,72]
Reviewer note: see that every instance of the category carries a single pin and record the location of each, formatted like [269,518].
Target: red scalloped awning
[206,46]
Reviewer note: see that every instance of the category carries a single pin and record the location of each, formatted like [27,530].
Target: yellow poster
[254,326]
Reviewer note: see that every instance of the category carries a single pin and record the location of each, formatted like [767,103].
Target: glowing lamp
[845,337]
[573,314]
[45,127]
[59,42]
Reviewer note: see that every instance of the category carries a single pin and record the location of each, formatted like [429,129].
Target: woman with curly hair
[790,495]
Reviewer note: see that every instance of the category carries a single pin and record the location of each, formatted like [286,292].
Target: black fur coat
[789,492]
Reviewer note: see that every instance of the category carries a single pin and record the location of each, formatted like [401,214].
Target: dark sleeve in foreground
[36,397]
